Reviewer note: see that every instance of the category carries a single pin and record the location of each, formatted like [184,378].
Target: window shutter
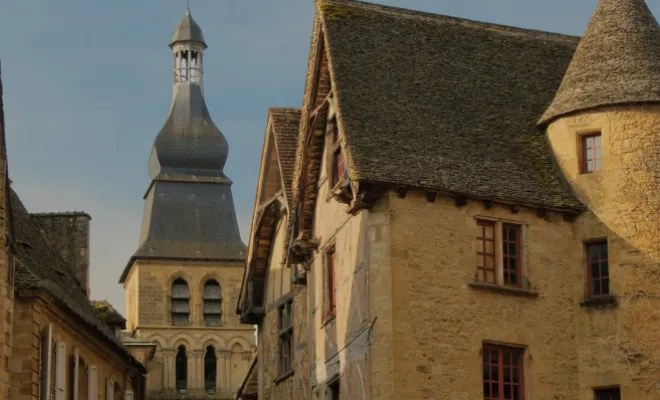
[92,383]
[60,371]
[44,370]
[74,376]
[128,395]
[109,390]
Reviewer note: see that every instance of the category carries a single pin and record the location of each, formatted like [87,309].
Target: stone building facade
[184,279]
[471,212]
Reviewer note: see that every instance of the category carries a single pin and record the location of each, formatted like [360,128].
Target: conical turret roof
[187,30]
[617,61]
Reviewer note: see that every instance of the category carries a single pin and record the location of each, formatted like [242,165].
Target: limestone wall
[441,317]
[32,318]
[232,342]
[617,344]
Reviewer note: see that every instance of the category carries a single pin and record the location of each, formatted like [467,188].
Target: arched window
[210,372]
[181,368]
[212,303]
[180,303]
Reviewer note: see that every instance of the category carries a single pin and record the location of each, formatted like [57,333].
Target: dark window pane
[604,269]
[512,249]
[595,270]
[596,288]
[486,389]
[494,373]
[605,286]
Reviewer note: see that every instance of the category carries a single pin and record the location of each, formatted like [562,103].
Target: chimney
[68,233]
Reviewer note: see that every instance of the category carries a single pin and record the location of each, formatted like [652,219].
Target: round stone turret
[604,130]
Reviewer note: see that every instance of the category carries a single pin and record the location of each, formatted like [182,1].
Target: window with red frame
[598,271]
[592,153]
[502,372]
[486,251]
[607,394]
[331,296]
[338,165]
[511,254]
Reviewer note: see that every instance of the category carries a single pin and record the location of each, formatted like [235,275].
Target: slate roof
[285,122]
[447,104]
[187,30]
[617,60]
[189,143]
[189,210]
[40,267]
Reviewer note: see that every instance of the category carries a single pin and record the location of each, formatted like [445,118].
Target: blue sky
[88,85]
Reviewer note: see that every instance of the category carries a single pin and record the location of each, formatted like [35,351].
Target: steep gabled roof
[285,122]
[617,61]
[444,103]
[40,267]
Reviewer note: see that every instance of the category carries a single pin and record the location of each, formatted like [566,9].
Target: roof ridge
[449,18]
[60,214]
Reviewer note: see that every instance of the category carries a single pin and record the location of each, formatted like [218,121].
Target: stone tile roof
[444,103]
[286,122]
[617,61]
[40,267]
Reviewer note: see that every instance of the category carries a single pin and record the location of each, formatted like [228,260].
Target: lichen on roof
[334,10]
[447,104]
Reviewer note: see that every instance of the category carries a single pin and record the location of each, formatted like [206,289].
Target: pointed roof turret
[616,62]
[188,30]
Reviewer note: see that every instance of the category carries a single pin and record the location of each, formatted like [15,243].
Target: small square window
[502,372]
[592,153]
[607,394]
[489,262]
[598,272]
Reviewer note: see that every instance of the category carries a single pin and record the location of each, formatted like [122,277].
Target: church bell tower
[184,277]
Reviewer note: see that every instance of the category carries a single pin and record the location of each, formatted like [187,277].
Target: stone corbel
[304,245]
[365,196]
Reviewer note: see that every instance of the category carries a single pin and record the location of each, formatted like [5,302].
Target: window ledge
[516,291]
[609,301]
[283,377]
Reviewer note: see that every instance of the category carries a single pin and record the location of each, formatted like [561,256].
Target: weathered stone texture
[440,321]
[148,290]
[33,314]
[68,233]
[618,344]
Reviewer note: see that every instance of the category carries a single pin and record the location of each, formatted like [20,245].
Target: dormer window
[592,153]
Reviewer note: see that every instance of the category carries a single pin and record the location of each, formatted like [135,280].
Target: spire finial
[188,8]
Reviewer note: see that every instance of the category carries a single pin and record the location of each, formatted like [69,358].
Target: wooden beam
[431,196]
[461,201]
[515,208]
[488,204]
[401,192]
